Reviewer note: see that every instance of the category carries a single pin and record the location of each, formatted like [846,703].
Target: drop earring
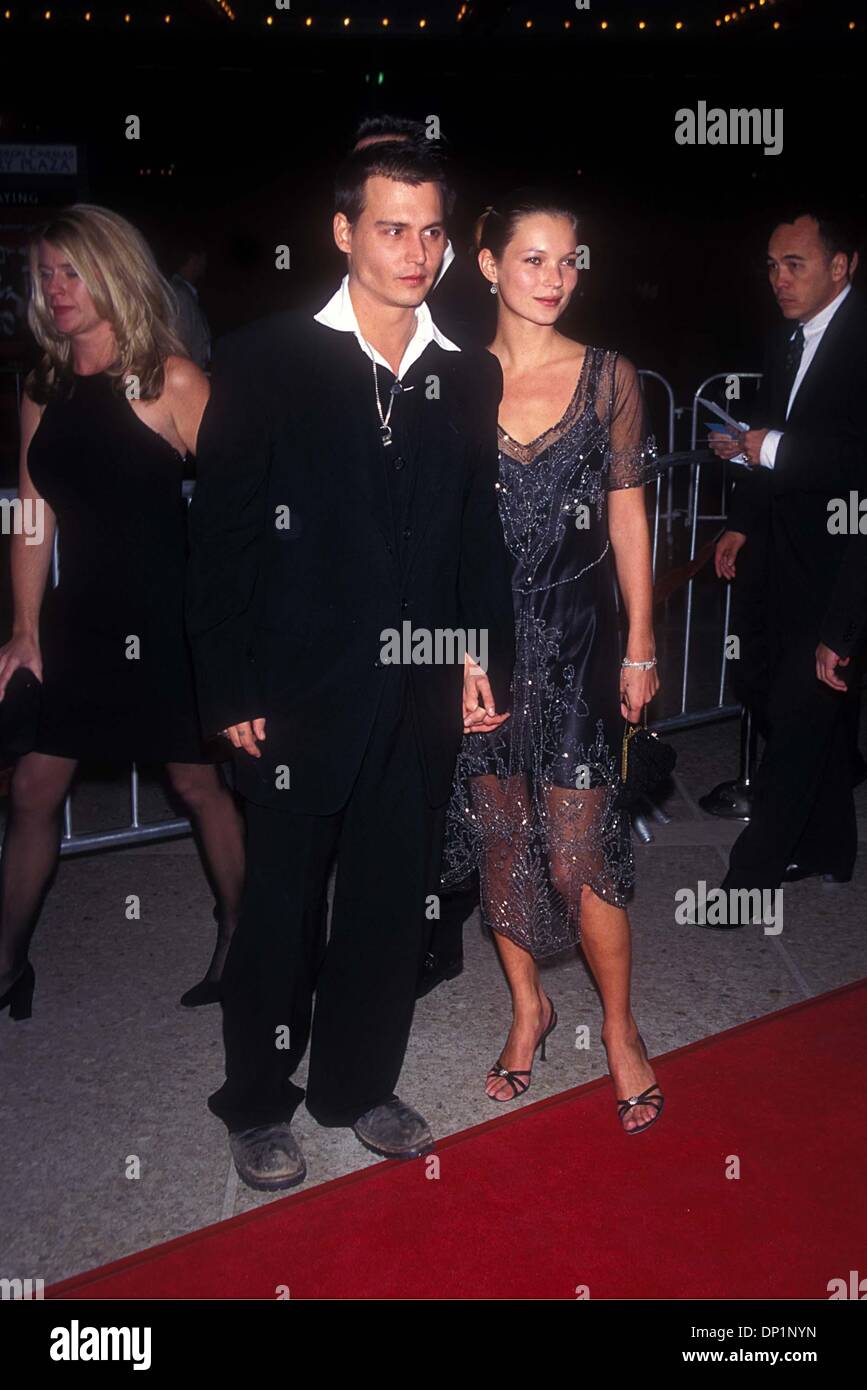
[493,289]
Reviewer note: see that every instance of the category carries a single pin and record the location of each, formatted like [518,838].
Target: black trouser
[456,905]
[387,841]
[749,621]
[803,808]
[751,675]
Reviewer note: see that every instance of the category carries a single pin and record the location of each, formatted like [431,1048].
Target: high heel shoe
[19,996]
[205,992]
[515,1078]
[208,990]
[646,1098]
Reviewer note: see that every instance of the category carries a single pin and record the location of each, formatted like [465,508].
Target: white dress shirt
[813,330]
[339,313]
[448,257]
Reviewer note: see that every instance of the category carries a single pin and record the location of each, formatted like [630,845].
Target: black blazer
[820,580]
[285,621]
[462,305]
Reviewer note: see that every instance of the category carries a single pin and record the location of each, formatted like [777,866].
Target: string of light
[728,18]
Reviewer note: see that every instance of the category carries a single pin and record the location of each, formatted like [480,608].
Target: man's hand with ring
[751,444]
[246,736]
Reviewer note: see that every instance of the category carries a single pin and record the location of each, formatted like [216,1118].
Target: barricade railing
[138,832]
[671,415]
[685,576]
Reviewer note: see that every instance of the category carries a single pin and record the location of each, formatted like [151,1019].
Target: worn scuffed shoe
[394,1130]
[267,1158]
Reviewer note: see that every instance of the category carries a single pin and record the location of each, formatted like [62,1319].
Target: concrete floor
[110,1069]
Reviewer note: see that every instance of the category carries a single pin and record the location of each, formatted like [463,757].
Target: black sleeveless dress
[117,672]
[534,803]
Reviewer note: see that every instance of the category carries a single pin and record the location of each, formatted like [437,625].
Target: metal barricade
[694,460]
[693,436]
[646,374]
[138,831]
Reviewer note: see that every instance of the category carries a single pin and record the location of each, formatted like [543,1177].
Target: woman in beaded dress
[533,804]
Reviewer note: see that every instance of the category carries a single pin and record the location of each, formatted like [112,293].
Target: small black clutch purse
[19,714]
[645,762]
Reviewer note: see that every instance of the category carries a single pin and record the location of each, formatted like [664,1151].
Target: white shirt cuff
[768,451]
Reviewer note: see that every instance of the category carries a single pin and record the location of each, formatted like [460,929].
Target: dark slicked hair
[837,230]
[390,127]
[497,225]
[384,127]
[402,160]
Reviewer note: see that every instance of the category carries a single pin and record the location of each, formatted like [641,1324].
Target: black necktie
[794,352]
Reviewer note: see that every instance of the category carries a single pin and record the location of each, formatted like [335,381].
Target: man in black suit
[346,490]
[457,302]
[807,446]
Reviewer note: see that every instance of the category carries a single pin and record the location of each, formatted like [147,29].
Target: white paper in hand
[739,425]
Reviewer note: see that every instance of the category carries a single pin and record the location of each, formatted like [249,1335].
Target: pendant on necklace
[385,432]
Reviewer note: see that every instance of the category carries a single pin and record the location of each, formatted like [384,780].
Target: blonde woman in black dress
[534,804]
[107,420]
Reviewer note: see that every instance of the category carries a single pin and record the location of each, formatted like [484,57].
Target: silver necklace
[385,431]
[384,427]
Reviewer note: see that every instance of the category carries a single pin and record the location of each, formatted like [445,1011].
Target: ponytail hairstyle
[497,225]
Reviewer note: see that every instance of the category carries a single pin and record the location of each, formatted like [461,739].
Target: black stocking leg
[31,847]
[218,827]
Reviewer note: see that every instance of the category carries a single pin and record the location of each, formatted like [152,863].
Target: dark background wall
[242,123]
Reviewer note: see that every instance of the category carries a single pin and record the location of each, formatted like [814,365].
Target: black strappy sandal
[644,1099]
[515,1078]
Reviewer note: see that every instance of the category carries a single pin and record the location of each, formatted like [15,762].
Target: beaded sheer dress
[533,803]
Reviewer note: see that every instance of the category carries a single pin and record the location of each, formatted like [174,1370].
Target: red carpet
[536,1203]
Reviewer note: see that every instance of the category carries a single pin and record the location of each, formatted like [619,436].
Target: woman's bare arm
[31,560]
[630,541]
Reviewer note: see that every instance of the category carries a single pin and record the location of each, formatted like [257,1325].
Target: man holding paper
[807,445]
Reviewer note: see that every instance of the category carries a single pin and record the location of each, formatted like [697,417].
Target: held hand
[19,651]
[826,661]
[725,553]
[480,714]
[247,735]
[725,446]
[751,443]
[637,689]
